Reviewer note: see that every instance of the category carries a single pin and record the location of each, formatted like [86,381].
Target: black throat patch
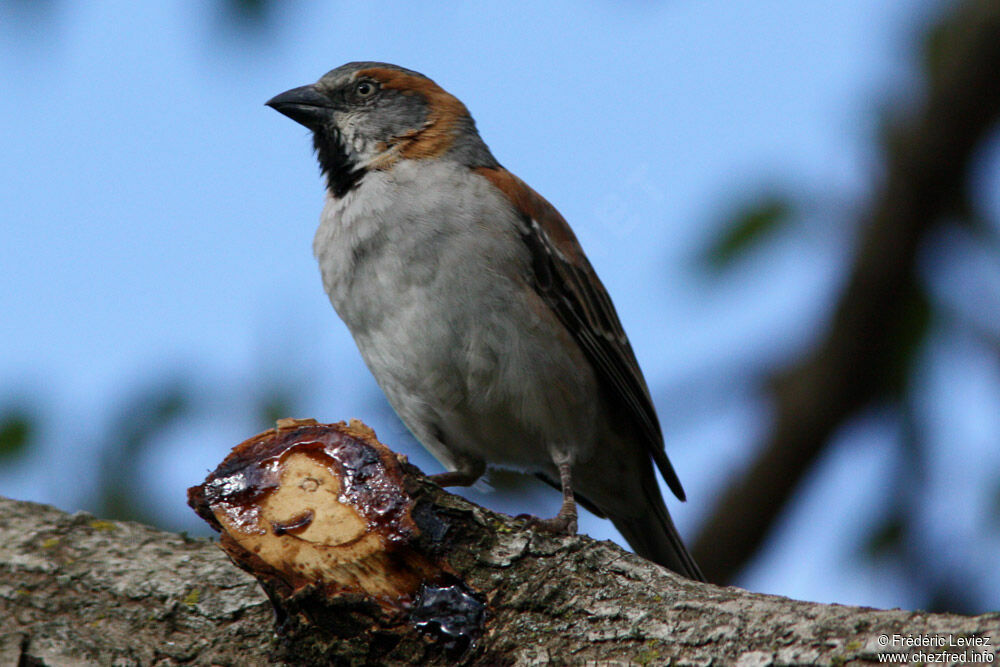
[342,175]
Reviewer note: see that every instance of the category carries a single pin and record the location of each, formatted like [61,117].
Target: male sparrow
[475,308]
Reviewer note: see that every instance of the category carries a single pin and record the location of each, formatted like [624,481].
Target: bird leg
[565,520]
[466,473]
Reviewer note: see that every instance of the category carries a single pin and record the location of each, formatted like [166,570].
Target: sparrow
[475,308]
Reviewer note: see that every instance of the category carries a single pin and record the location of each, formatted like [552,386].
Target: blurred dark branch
[898,543]
[927,163]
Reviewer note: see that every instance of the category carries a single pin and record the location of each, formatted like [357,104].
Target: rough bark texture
[75,590]
[927,165]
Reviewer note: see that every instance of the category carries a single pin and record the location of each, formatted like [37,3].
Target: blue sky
[158,221]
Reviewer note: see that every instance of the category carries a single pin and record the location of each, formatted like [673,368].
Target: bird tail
[654,537]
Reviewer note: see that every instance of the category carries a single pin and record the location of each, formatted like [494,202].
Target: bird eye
[365,89]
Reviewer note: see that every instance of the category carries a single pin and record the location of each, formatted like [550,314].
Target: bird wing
[568,284]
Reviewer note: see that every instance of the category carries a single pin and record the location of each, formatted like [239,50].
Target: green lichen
[648,655]
[192,598]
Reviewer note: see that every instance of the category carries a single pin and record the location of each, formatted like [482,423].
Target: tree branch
[82,591]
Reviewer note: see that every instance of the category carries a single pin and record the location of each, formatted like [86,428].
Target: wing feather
[568,284]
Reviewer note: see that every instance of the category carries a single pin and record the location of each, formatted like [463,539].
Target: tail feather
[654,537]
[648,528]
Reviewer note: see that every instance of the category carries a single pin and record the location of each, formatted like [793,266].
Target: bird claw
[560,524]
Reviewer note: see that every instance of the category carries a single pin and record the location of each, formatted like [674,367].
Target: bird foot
[560,524]
[467,473]
[455,478]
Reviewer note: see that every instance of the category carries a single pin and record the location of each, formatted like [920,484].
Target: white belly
[434,292]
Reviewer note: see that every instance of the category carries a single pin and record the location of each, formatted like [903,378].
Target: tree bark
[76,590]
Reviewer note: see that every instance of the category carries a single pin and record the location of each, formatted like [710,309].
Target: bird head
[368,115]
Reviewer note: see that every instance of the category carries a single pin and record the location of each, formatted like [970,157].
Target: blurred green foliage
[144,415]
[747,227]
[886,538]
[17,430]
[278,401]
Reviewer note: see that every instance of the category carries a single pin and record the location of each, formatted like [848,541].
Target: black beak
[305,105]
